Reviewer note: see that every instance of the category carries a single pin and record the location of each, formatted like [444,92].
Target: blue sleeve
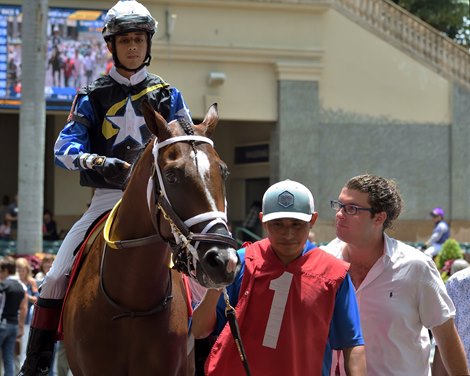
[178,107]
[74,140]
[345,328]
[233,292]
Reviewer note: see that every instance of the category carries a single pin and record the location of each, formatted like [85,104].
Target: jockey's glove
[110,168]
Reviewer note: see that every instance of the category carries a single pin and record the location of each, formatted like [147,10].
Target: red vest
[284,314]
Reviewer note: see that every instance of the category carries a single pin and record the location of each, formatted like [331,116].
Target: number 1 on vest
[281,287]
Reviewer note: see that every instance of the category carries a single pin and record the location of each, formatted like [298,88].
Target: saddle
[80,254]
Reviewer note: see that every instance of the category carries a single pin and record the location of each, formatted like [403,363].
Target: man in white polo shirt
[399,290]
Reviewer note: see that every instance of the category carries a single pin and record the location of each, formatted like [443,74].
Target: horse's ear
[155,122]
[211,119]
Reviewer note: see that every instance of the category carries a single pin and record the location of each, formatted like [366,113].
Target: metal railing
[8,247]
[242,233]
[411,34]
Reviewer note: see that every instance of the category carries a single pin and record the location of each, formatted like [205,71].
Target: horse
[126,313]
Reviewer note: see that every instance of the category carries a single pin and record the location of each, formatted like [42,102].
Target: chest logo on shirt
[127,123]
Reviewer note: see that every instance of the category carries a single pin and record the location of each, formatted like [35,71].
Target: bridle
[184,252]
[184,243]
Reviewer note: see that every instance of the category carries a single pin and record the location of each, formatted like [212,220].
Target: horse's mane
[136,161]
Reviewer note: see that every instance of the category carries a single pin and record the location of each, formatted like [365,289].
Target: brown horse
[127,313]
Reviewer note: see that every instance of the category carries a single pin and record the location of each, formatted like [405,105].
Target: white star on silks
[129,124]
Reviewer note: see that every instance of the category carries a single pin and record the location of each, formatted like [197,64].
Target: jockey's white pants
[433,250]
[55,283]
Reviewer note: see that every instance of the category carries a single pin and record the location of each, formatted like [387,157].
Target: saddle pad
[82,252]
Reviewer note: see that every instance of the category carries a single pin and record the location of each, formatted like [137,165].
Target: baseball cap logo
[285,199]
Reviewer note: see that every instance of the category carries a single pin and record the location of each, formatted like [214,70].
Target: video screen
[76,54]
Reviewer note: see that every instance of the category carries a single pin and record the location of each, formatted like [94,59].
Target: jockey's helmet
[125,17]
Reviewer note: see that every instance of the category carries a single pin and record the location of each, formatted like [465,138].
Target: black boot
[42,337]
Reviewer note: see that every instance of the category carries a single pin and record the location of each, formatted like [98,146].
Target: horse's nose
[221,261]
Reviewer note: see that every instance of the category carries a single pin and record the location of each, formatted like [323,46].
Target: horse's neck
[144,267]
[133,217]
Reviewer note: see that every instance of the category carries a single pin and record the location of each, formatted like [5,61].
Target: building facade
[311,90]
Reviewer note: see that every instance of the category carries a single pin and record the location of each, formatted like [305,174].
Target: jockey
[105,131]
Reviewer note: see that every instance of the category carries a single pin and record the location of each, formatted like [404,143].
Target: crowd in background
[9,221]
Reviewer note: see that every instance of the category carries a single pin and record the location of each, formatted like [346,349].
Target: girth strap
[125,312]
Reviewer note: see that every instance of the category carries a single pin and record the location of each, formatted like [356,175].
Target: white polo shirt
[458,288]
[401,296]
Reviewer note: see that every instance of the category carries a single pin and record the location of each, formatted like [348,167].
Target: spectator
[56,61]
[440,233]
[15,306]
[61,360]
[5,230]
[311,237]
[49,226]
[458,288]
[12,217]
[399,290]
[285,293]
[88,66]
[78,71]
[44,267]
[4,207]
[25,275]
[69,69]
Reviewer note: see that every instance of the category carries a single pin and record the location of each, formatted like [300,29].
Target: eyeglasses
[348,209]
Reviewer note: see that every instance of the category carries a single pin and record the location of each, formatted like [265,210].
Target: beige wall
[365,75]
[255,43]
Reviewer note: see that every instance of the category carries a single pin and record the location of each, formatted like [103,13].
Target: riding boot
[42,337]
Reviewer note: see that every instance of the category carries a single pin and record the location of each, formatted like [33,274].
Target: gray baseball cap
[288,199]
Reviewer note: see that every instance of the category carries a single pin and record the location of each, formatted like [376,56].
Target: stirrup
[43,371]
[31,367]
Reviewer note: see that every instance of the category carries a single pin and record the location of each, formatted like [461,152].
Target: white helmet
[127,16]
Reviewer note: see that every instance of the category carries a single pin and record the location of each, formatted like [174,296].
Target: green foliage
[463,35]
[450,251]
[445,15]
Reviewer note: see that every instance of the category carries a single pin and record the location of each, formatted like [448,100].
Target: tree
[445,15]
[463,35]
[450,252]
[32,127]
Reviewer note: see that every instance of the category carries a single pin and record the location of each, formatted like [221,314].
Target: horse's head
[189,190]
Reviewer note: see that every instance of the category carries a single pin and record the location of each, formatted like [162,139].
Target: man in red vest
[294,302]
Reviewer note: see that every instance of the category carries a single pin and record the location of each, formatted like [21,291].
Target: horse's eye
[224,171]
[171,177]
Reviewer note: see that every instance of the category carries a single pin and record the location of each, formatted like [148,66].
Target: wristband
[85,161]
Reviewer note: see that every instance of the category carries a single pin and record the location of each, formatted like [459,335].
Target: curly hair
[384,195]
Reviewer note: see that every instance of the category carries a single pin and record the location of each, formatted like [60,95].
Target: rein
[131,243]
[235,330]
[183,236]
